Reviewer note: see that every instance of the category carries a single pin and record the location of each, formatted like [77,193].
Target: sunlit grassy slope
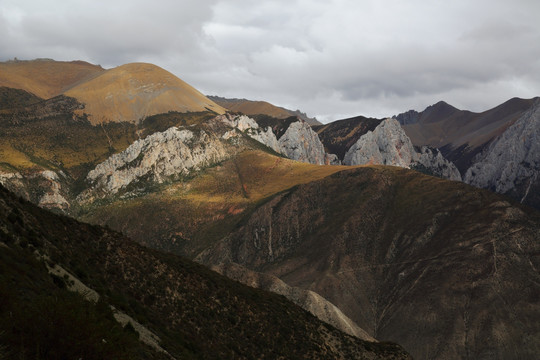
[46,78]
[185,217]
[132,92]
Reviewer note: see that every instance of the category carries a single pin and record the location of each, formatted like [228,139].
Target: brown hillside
[135,91]
[256,107]
[446,270]
[252,107]
[46,78]
[462,134]
[194,312]
[187,216]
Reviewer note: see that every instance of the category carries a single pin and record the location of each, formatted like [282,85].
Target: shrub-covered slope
[447,270]
[195,312]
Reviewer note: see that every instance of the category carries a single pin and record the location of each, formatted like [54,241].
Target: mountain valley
[363,222]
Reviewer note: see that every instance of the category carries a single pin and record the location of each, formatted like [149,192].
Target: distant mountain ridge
[252,107]
[494,149]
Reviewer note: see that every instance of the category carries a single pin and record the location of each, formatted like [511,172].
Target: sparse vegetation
[196,312]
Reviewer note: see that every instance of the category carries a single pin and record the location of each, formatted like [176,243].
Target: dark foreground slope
[447,270]
[195,312]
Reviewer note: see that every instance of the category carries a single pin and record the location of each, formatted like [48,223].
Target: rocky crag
[297,140]
[162,156]
[495,149]
[511,163]
[388,144]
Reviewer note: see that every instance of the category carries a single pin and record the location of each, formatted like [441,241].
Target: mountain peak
[437,111]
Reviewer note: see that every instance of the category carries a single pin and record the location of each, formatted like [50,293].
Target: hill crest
[44,77]
[134,91]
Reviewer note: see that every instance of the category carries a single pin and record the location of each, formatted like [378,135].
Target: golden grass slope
[135,91]
[187,216]
[46,78]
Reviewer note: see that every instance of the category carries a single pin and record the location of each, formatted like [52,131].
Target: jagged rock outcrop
[408,117]
[511,163]
[307,299]
[433,161]
[252,129]
[388,144]
[45,188]
[301,143]
[164,155]
[52,196]
[298,142]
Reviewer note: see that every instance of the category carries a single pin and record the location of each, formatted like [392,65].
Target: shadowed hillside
[191,311]
[252,107]
[445,269]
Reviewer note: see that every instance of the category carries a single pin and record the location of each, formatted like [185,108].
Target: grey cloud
[328,58]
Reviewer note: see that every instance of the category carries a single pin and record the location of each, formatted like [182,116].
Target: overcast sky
[329,58]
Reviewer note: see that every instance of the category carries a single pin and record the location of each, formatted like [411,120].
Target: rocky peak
[511,163]
[297,141]
[408,117]
[161,156]
[301,143]
[388,144]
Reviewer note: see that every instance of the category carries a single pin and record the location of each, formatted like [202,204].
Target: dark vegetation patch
[278,126]
[338,136]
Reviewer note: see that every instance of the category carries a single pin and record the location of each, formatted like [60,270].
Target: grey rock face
[409,117]
[301,143]
[389,145]
[513,158]
[172,153]
[45,188]
[433,160]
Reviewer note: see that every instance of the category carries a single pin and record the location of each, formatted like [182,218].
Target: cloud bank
[332,59]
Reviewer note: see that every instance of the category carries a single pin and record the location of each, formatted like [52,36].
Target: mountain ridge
[254,107]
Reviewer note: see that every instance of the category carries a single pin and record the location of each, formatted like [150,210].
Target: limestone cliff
[43,187]
[511,163]
[161,156]
[388,144]
[301,143]
[298,142]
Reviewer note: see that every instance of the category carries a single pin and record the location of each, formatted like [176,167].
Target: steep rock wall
[511,164]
